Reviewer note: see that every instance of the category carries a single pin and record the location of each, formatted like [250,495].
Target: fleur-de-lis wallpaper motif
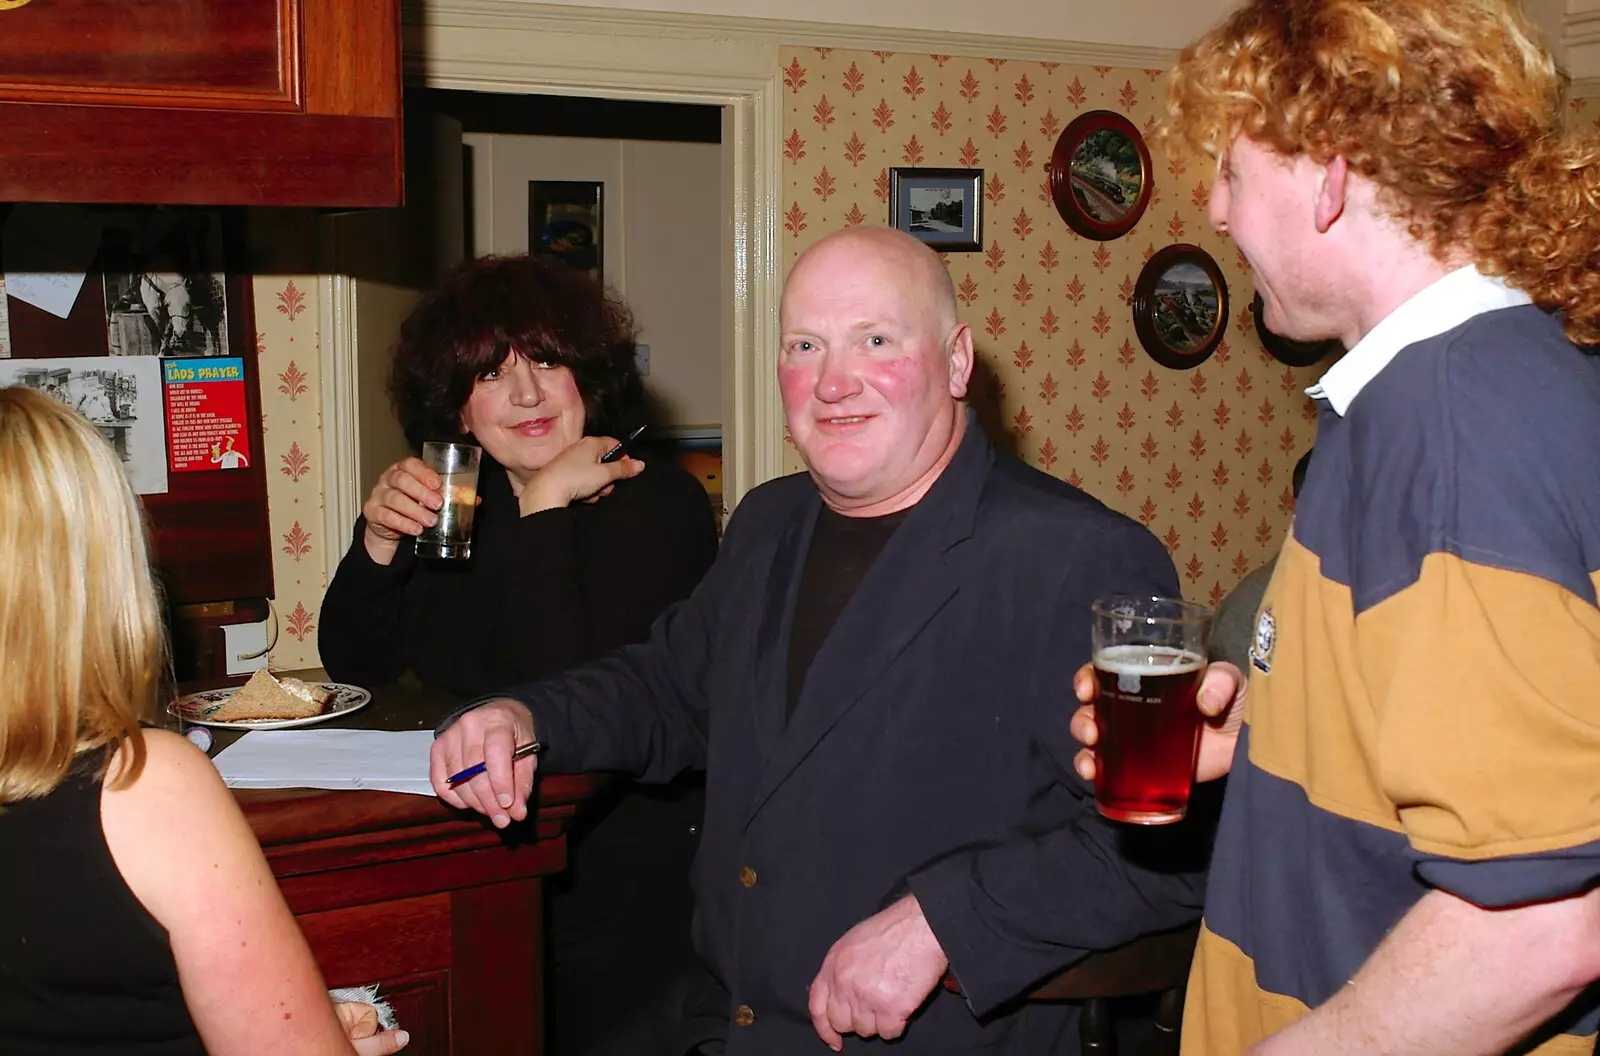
[291,301]
[292,382]
[297,542]
[1051,311]
[295,463]
[300,623]
[794,76]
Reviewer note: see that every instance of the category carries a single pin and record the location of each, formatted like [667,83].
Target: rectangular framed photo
[941,207]
[565,223]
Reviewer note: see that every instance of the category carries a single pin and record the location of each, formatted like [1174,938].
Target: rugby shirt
[1424,707]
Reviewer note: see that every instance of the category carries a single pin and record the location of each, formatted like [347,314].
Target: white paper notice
[120,395]
[373,759]
[245,646]
[5,322]
[45,252]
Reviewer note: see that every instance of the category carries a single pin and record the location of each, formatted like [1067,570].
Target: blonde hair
[82,653]
[1451,107]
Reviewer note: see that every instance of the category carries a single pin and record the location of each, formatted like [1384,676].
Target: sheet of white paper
[245,646]
[375,759]
[45,252]
[120,395]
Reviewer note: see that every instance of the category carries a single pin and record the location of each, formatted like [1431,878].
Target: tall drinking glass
[1149,655]
[450,537]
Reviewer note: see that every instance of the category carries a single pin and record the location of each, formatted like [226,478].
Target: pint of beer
[1149,654]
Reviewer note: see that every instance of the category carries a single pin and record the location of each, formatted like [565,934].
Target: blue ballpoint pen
[477,768]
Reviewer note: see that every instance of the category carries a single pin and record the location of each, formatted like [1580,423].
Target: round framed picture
[1288,351]
[1180,306]
[1100,175]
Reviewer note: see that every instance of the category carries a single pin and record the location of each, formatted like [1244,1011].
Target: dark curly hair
[487,308]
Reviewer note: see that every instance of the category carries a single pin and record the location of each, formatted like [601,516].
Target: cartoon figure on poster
[224,455]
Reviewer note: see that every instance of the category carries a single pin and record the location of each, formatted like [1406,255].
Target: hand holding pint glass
[1149,656]
[450,536]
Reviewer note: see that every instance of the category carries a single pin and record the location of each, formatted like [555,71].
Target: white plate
[198,707]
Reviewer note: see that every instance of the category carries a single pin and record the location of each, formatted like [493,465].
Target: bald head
[923,275]
[873,368]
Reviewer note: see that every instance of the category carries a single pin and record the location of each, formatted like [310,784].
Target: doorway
[509,49]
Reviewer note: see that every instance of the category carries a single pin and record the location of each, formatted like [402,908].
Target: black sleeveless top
[84,968]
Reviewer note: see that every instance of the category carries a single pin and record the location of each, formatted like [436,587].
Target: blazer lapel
[771,660]
[914,577]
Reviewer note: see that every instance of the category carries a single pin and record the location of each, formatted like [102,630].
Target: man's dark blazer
[929,752]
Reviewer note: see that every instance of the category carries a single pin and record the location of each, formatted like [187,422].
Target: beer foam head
[1147,660]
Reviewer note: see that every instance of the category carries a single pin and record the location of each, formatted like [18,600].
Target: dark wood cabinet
[439,908]
[231,102]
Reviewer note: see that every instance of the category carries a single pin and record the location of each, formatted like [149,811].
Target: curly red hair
[1451,107]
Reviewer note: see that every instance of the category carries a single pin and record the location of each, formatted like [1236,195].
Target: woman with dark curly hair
[571,557]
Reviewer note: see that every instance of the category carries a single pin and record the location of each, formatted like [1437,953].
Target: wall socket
[641,356]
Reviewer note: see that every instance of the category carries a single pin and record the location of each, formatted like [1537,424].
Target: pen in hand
[477,768]
[622,448]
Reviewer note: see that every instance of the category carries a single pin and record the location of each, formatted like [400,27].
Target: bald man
[876,676]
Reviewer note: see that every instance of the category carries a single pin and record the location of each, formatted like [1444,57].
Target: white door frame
[512,47]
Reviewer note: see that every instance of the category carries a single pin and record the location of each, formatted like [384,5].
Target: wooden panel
[422,1007]
[494,966]
[363,944]
[295,819]
[112,154]
[352,57]
[150,53]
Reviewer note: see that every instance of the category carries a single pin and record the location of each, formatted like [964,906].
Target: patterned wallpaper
[1202,456]
[288,351]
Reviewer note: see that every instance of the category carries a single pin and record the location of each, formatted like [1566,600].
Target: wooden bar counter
[435,904]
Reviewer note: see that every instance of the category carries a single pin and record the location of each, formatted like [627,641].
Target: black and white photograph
[120,397]
[941,207]
[164,285]
[937,209]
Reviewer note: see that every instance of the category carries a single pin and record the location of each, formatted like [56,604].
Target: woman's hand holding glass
[577,475]
[403,502]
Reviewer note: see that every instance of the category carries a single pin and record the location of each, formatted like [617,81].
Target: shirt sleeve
[1486,691]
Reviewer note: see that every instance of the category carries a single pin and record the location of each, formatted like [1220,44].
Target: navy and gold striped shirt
[1424,707]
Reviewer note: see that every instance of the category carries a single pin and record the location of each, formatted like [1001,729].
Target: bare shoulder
[175,773]
[176,817]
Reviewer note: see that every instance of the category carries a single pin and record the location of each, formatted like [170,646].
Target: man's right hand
[488,734]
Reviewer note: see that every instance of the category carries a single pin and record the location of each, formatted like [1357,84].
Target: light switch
[245,639]
[641,356]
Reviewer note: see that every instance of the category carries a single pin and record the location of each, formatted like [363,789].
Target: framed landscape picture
[566,223]
[942,207]
[1100,175]
[1180,306]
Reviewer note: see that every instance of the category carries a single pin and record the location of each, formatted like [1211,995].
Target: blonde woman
[137,913]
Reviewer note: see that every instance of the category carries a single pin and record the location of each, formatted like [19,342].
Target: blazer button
[747,876]
[743,1016]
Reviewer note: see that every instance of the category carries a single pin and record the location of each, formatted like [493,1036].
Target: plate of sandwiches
[268,703]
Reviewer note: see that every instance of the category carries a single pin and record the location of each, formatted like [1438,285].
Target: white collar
[1443,305]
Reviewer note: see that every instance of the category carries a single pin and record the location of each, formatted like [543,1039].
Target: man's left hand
[877,975]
